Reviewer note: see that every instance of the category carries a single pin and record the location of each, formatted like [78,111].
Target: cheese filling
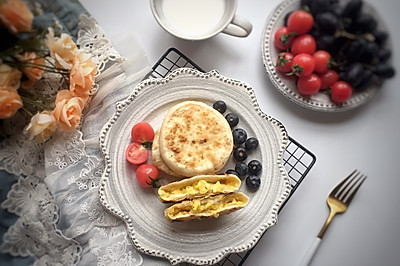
[200,187]
[206,207]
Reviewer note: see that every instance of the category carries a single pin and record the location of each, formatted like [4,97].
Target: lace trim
[119,252]
[92,40]
[36,232]
[18,155]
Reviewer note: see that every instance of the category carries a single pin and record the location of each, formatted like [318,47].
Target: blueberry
[242,168]
[240,153]
[327,22]
[255,167]
[239,136]
[352,9]
[220,106]
[232,119]
[354,74]
[384,54]
[253,182]
[251,143]
[380,37]
[384,70]
[232,172]
[319,6]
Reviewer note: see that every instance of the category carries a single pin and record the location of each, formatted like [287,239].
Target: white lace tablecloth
[60,219]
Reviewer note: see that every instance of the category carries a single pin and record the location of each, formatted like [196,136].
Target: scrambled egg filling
[201,187]
[197,206]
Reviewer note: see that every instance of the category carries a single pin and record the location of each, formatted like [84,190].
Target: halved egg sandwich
[202,196]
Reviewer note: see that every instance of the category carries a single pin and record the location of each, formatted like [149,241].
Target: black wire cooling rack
[298,160]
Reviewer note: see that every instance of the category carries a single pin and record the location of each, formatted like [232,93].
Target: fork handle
[311,251]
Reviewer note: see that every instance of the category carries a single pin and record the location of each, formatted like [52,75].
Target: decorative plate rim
[319,101]
[278,202]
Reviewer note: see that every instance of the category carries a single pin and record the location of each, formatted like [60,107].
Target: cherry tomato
[283,39]
[322,61]
[284,62]
[147,175]
[328,78]
[341,91]
[136,154]
[300,22]
[302,65]
[303,44]
[142,132]
[309,85]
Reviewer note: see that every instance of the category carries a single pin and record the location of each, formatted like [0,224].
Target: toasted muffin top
[156,156]
[195,139]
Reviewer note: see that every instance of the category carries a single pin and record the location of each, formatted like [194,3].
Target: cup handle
[239,27]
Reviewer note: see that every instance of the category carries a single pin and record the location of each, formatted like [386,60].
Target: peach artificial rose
[16,16]
[68,110]
[9,77]
[42,126]
[33,68]
[10,102]
[82,74]
[62,49]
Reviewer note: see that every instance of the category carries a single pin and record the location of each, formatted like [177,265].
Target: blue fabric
[7,219]
[67,14]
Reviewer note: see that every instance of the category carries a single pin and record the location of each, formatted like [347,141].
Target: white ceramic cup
[200,19]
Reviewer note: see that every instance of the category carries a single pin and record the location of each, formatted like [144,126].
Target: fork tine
[340,185]
[347,184]
[354,189]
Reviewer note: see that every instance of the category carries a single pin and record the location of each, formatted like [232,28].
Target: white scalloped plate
[197,242]
[286,85]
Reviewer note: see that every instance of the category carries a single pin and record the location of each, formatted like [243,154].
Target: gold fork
[338,202]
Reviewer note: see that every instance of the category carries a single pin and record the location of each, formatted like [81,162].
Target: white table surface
[366,138]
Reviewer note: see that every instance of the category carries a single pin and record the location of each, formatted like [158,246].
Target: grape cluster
[353,38]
